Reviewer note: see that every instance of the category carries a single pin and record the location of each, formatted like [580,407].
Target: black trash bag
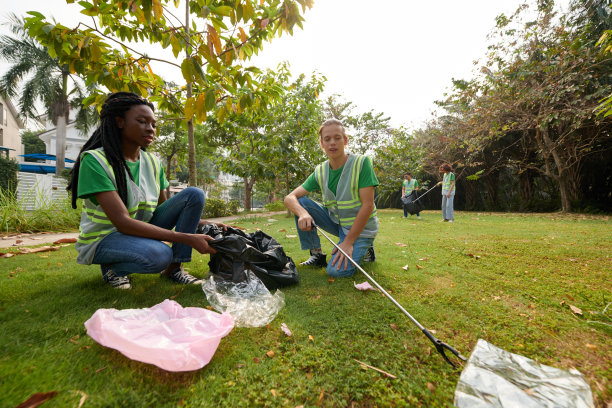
[238,252]
[411,204]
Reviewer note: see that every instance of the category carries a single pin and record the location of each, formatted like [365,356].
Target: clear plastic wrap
[497,378]
[249,302]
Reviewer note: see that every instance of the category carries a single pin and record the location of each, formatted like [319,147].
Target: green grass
[506,278]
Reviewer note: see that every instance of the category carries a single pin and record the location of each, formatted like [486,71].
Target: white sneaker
[451,220]
[419,217]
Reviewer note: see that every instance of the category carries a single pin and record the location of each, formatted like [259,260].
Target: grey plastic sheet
[249,302]
[496,378]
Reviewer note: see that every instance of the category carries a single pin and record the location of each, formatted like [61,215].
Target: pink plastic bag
[166,335]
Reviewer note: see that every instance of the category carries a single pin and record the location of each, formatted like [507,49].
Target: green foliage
[215,207]
[275,206]
[32,144]
[48,216]
[8,175]
[482,277]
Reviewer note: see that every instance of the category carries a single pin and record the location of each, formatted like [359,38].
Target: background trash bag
[497,378]
[249,302]
[410,204]
[166,335]
[238,252]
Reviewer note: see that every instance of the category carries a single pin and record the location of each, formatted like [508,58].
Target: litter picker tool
[423,195]
[440,345]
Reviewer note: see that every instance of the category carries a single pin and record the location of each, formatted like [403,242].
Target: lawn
[507,278]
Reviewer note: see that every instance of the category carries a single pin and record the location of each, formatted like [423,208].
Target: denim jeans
[311,240]
[126,254]
[447,207]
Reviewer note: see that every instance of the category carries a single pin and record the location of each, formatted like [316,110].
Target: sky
[391,56]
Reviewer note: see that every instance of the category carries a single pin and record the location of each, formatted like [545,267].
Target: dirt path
[20,240]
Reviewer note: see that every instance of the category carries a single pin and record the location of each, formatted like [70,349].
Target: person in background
[409,186]
[347,184]
[126,214]
[448,192]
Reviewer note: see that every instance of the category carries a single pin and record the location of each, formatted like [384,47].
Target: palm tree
[41,79]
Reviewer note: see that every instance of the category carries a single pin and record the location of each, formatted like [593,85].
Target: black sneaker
[319,260]
[117,282]
[180,276]
[370,255]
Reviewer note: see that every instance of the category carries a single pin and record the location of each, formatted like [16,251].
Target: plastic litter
[249,302]
[238,252]
[364,286]
[286,330]
[497,378]
[411,203]
[166,335]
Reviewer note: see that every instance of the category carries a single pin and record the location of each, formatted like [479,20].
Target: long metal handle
[440,345]
[427,192]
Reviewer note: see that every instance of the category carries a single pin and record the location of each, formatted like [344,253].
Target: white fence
[35,190]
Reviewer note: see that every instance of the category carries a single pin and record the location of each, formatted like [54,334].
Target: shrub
[275,206]
[215,207]
[8,175]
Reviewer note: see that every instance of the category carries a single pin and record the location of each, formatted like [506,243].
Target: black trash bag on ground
[411,204]
[238,252]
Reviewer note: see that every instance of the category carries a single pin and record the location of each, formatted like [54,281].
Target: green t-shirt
[409,186]
[93,179]
[367,178]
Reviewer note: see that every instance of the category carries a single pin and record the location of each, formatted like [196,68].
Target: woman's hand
[439,183]
[448,195]
[199,242]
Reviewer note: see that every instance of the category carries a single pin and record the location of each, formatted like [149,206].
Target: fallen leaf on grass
[423,259]
[270,353]
[405,267]
[37,399]
[311,338]
[65,241]
[273,392]
[286,330]
[74,339]
[576,310]
[431,387]
[282,230]
[330,280]
[7,254]
[401,244]
[591,346]
[256,360]
[419,266]
[290,236]
[562,302]
[394,326]
[18,241]
[83,398]
[363,286]
[100,369]
[321,396]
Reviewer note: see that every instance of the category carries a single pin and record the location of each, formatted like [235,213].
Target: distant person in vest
[448,192]
[409,186]
[347,184]
[126,214]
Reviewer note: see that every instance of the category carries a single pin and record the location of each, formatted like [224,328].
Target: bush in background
[8,175]
[215,207]
[275,206]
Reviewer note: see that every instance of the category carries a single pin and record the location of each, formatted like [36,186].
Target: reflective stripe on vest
[409,187]
[344,206]
[142,202]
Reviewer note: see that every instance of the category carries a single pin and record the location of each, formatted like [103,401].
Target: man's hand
[340,259]
[305,222]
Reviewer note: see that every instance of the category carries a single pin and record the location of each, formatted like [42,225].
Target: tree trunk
[60,145]
[492,183]
[525,188]
[471,194]
[248,188]
[193,176]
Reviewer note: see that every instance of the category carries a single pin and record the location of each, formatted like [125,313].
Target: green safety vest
[345,204]
[409,186]
[142,201]
[446,184]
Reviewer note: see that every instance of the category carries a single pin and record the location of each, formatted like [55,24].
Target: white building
[75,139]
[10,125]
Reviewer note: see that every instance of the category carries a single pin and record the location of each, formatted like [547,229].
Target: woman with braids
[126,214]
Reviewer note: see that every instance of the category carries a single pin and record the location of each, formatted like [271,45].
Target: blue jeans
[311,240]
[447,207]
[126,254]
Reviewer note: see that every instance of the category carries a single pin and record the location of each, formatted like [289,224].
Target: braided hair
[108,136]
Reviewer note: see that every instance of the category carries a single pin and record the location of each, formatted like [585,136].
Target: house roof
[14,112]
